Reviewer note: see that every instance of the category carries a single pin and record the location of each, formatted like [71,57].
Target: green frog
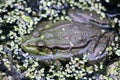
[83,34]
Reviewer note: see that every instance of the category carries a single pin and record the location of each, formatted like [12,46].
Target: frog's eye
[40,43]
[36,33]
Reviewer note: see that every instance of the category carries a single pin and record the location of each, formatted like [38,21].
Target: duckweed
[21,19]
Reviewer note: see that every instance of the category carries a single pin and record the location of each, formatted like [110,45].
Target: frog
[82,35]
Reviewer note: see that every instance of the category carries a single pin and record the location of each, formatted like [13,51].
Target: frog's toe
[93,57]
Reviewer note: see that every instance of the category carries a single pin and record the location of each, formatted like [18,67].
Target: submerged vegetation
[19,18]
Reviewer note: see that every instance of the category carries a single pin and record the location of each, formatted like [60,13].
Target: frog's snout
[31,47]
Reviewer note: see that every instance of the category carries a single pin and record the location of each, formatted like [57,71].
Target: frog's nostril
[36,34]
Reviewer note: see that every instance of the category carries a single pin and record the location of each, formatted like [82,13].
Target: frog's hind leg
[89,48]
[100,50]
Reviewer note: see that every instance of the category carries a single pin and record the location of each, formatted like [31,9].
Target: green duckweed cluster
[18,19]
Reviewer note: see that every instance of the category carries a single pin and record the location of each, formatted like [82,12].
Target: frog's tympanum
[83,35]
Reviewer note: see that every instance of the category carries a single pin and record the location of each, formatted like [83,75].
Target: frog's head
[31,43]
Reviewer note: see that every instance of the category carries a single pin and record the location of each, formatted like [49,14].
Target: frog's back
[70,34]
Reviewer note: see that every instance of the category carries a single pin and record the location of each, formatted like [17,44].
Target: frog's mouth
[29,49]
[30,45]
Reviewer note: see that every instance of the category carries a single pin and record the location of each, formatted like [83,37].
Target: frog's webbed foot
[100,50]
[93,57]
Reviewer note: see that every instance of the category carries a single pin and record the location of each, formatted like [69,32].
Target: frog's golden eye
[40,43]
[36,33]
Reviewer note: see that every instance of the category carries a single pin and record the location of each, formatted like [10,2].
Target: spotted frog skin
[66,39]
